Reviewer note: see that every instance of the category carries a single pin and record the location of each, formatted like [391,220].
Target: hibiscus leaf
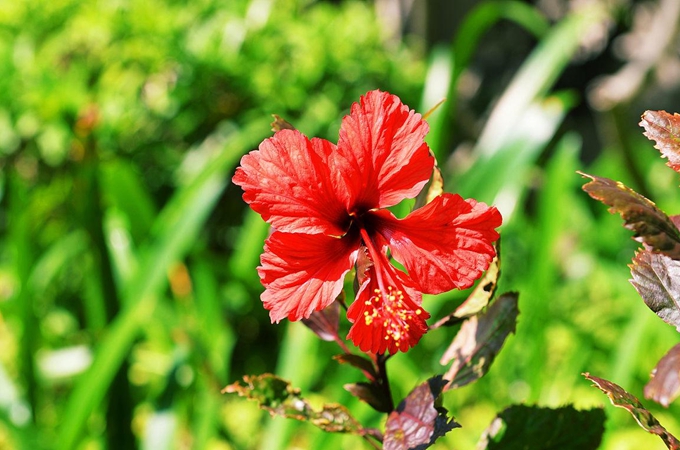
[279,398]
[479,340]
[664,387]
[520,426]
[652,226]
[480,296]
[664,129]
[622,399]
[418,421]
[280,124]
[657,279]
[371,393]
[325,322]
[361,363]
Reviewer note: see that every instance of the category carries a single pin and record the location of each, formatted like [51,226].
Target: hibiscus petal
[288,182]
[445,244]
[382,155]
[303,273]
[392,322]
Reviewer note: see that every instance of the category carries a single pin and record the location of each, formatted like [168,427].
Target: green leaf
[479,340]
[279,398]
[418,421]
[656,277]
[652,226]
[622,399]
[522,427]
[664,387]
[664,129]
[479,298]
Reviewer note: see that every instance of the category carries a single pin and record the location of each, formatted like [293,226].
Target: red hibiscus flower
[326,204]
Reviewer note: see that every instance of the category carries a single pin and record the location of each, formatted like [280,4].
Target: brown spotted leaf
[277,396]
[656,277]
[664,387]
[622,399]
[651,226]
[418,421]
[480,296]
[664,129]
[479,340]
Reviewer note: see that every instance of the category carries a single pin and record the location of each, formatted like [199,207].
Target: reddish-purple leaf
[479,340]
[480,296]
[651,226]
[622,399]
[521,427]
[664,387]
[372,393]
[360,362]
[325,322]
[664,129]
[279,398]
[418,422]
[657,279]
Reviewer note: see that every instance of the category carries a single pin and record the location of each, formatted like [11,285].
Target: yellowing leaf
[622,399]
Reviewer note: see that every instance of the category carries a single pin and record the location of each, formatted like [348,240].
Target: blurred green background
[128,290]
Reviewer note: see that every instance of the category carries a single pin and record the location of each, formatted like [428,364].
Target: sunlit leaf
[418,421]
[325,322]
[657,279]
[479,340]
[279,398]
[280,124]
[372,393]
[479,297]
[522,427]
[652,226]
[619,397]
[664,387]
[664,129]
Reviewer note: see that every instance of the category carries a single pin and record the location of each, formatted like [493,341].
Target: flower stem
[380,361]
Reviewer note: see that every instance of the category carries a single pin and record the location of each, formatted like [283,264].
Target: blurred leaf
[522,427]
[622,399]
[664,387]
[656,277]
[479,297]
[479,340]
[360,362]
[325,322]
[280,124]
[279,398]
[664,129]
[652,226]
[433,188]
[418,421]
[371,393]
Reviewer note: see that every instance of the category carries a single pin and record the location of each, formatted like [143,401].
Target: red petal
[392,322]
[381,153]
[288,182]
[303,273]
[445,244]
